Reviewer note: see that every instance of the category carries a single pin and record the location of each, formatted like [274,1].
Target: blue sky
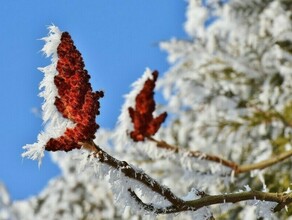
[118,40]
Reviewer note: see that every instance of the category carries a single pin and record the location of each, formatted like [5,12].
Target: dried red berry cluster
[142,116]
[76,100]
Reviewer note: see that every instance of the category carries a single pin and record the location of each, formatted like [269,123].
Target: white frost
[55,124]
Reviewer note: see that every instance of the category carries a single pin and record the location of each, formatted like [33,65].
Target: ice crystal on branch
[145,124]
[70,105]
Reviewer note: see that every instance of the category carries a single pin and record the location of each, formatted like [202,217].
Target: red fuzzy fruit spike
[76,100]
[142,116]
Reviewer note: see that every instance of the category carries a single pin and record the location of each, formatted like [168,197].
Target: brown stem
[179,205]
[196,154]
[227,163]
[281,198]
[265,163]
[132,173]
[151,208]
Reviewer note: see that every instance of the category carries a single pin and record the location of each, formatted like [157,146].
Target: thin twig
[197,154]
[265,163]
[227,163]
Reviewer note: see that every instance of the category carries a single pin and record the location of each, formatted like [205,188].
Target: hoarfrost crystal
[55,124]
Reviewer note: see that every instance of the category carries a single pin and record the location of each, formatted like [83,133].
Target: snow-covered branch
[179,205]
[131,172]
